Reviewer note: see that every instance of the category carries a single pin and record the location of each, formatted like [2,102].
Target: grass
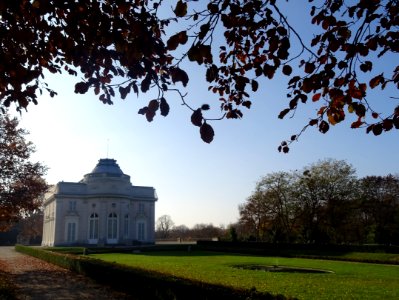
[350,280]
[377,257]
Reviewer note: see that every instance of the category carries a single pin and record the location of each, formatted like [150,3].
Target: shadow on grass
[43,284]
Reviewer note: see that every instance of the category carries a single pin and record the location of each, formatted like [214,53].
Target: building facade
[104,208]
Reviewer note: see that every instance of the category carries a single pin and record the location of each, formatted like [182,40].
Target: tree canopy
[21,181]
[121,47]
[323,203]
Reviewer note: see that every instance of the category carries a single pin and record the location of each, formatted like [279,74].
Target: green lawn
[349,280]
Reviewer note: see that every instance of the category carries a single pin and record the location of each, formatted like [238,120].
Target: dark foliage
[122,47]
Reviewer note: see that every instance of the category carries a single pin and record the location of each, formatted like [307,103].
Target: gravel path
[37,279]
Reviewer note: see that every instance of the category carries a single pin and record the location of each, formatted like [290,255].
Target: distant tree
[316,205]
[122,47]
[164,226]
[379,209]
[233,236]
[21,181]
[253,215]
[180,231]
[326,192]
[272,208]
[206,231]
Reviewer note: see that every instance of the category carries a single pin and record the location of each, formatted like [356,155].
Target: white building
[103,208]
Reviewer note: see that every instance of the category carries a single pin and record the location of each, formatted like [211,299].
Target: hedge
[141,283]
[317,251]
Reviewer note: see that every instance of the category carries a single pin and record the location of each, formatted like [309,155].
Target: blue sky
[196,182]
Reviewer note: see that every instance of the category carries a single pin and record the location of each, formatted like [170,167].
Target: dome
[107,166]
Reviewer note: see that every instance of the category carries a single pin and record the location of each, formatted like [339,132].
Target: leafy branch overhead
[123,47]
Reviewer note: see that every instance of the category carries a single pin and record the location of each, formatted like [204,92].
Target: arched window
[93,226]
[126,226]
[112,226]
[141,231]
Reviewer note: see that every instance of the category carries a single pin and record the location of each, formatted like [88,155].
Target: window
[112,226]
[141,231]
[126,226]
[141,208]
[93,226]
[71,232]
[72,205]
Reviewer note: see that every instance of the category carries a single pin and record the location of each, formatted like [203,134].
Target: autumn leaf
[196,117]
[309,67]
[323,127]
[175,40]
[179,75]
[180,9]
[205,107]
[145,84]
[207,133]
[81,87]
[124,91]
[164,106]
[143,110]
[375,81]
[377,129]
[316,97]
[150,114]
[332,120]
[247,104]
[283,113]
[357,124]
[254,85]
[287,70]
[153,105]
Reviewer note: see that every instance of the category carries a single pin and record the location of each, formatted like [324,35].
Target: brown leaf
[316,97]
[207,133]
[196,118]
[143,110]
[164,106]
[212,73]
[81,87]
[205,107]
[150,114]
[247,104]
[180,9]
[255,85]
[375,81]
[287,70]
[124,91]
[153,105]
[309,67]
[178,74]
[283,113]
[323,126]
[175,40]
[377,129]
